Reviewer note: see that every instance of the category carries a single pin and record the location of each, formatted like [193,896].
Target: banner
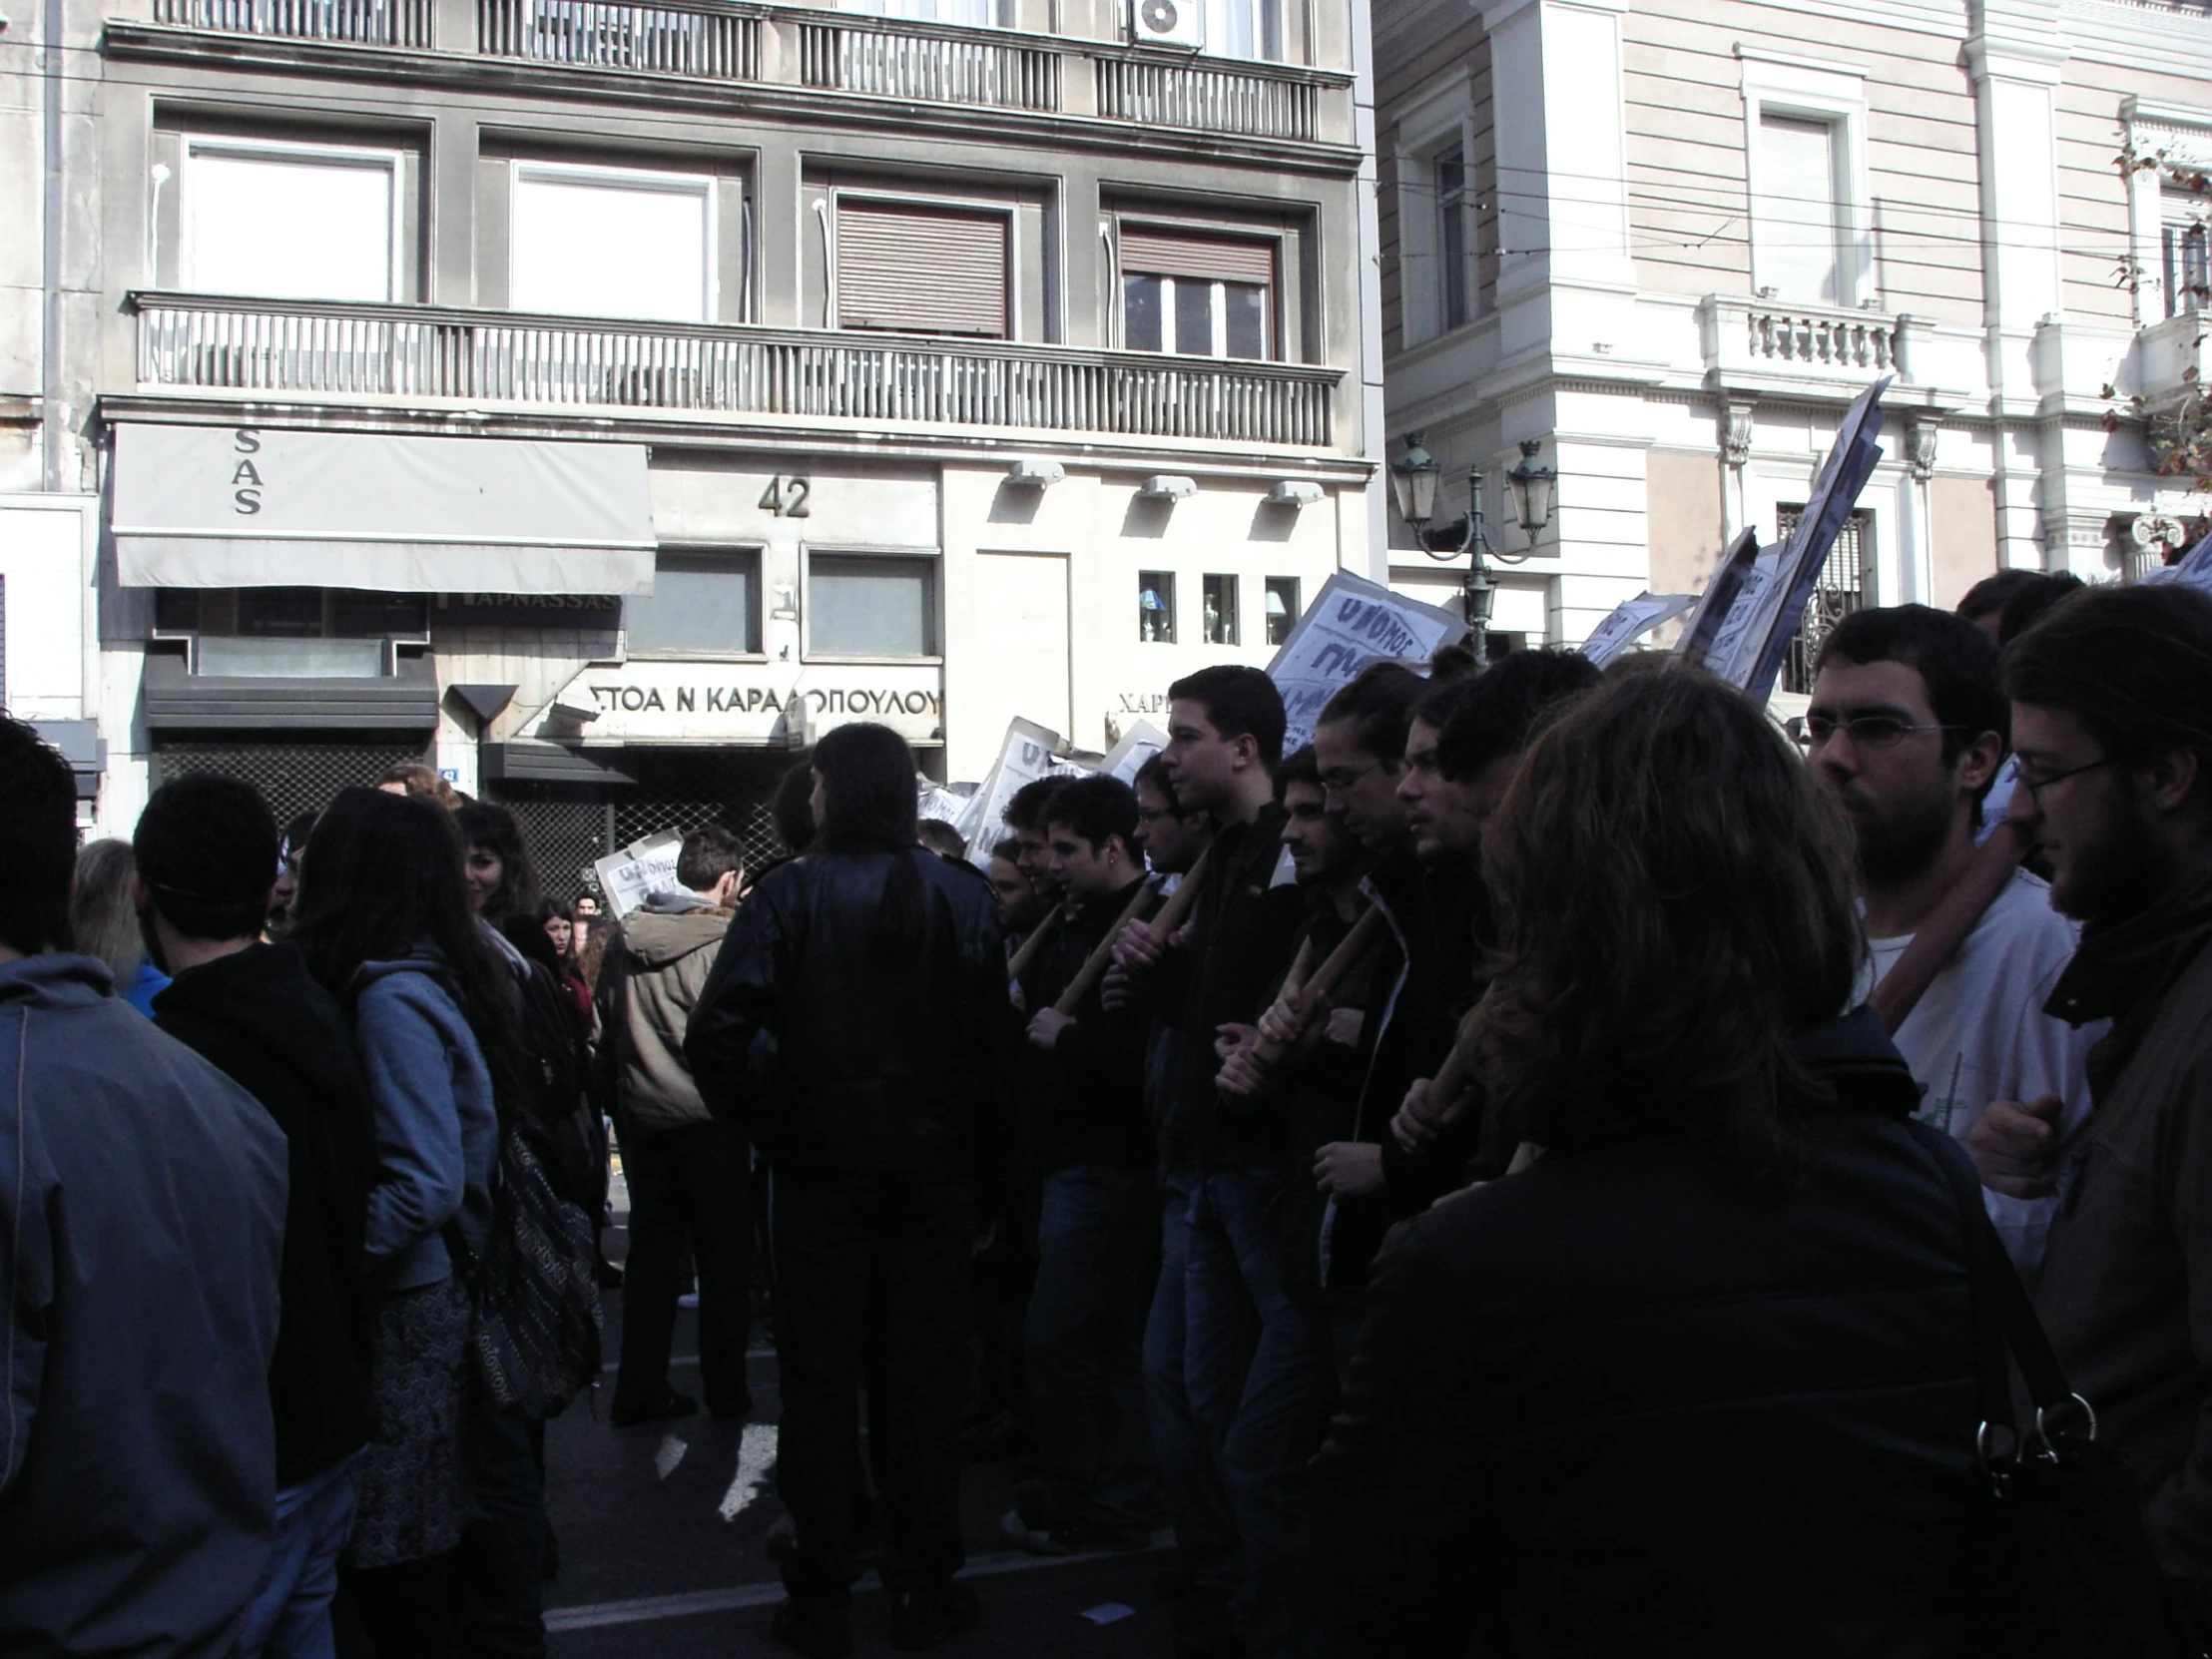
[1630,621]
[1351,623]
[2194,567]
[1718,600]
[641,868]
[1023,757]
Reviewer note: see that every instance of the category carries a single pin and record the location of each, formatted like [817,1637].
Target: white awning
[261,507]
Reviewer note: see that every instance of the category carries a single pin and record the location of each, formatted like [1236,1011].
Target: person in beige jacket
[688,1175]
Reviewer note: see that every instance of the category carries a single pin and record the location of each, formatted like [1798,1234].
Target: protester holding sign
[1906,729]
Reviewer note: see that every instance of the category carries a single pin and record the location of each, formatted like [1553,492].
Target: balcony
[1762,345]
[425,357]
[1137,90]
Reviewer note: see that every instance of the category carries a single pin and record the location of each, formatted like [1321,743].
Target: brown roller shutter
[924,270]
[1208,259]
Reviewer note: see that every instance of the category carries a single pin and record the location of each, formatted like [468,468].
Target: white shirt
[1979,1034]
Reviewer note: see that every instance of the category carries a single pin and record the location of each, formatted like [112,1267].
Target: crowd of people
[1534,1171]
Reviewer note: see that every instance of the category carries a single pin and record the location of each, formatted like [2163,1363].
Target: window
[865,605]
[1156,607]
[1796,212]
[1203,296]
[1218,609]
[702,602]
[612,242]
[1244,28]
[2184,251]
[1283,608]
[291,222]
[304,633]
[1448,174]
[1841,590]
[923,268]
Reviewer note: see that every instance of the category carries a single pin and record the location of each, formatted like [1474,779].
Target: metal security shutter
[924,271]
[293,777]
[1208,259]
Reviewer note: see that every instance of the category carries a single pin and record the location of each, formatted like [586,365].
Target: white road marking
[756,1456]
[599,1615]
[671,1453]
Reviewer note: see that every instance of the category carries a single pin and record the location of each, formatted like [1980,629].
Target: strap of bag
[2004,1319]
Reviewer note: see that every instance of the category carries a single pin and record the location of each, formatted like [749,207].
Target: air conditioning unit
[1168,22]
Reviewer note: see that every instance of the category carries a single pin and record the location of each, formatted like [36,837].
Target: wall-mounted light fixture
[1033,474]
[1295,493]
[1167,486]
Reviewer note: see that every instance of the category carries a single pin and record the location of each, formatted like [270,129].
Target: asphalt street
[662,1531]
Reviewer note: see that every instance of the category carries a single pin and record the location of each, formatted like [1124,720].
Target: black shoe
[818,1626]
[924,1618]
[726,1410]
[670,1405]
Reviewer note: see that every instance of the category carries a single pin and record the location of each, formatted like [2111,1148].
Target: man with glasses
[2113,712]
[1908,727]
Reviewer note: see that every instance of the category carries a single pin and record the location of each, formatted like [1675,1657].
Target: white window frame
[700,184]
[994,12]
[1218,346]
[2184,133]
[196,146]
[1441,121]
[1214,31]
[1807,89]
[933,557]
[733,551]
[839,195]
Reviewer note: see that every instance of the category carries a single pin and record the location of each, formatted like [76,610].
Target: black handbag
[2060,1565]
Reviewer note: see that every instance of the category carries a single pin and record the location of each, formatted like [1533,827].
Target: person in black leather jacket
[1698,1379]
[850,1027]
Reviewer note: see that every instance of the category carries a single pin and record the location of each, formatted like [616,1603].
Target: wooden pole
[1026,952]
[1178,903]
[1938,939]
[1326,978]
[1102,953]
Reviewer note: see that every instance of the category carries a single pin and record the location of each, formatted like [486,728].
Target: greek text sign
[680,702]
[1351,623]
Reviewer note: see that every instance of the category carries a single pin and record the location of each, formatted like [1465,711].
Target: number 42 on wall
[786,497]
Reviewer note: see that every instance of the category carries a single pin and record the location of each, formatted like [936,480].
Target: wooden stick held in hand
[1102,953]
[1938,939]
[1326,978]
[1178,907]
[1026,952]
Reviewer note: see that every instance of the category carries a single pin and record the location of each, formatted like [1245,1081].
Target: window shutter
[1207,259]
[928,270]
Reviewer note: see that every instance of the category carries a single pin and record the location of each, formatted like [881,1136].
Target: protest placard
[1351,623]
[1718,600]
[2193,567]
[644,866]
[1025,756]
[1851,462]
[1630,621]
[1138,744]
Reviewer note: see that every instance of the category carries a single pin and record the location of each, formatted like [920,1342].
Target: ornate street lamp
[1413,478]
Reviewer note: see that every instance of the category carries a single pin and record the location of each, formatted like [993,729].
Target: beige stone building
[600,399]
[1671,239]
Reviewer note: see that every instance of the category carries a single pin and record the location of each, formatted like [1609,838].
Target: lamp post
[1413,478]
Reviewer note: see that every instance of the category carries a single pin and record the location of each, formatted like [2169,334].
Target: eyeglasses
[2036,786]
[1867,731]
[1340,779]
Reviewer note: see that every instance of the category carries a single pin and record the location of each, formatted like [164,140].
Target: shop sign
[761,703]
[525,610]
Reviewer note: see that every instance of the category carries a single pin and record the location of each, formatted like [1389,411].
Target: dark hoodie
[261,1017]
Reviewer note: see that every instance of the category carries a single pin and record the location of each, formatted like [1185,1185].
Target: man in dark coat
[206,851]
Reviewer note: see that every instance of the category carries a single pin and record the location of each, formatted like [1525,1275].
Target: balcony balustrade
[428,356]
[830,52]
[1751,340]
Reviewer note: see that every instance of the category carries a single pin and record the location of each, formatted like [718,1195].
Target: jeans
[693,1183]
[1097,1246]
[498,1574]
[1192,1377]
[871,1270]
[1234,1272]
[290,1615]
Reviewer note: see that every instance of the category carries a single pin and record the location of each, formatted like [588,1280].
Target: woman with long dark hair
[383,923]
[849,1027]
[1700,1380]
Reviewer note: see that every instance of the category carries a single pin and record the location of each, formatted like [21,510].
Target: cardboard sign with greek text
[1351,623]
[643,868]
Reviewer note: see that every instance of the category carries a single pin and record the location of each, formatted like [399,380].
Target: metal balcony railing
[826,51]
[355,22]
[427,355]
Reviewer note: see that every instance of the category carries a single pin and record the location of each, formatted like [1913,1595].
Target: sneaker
[670,1405]
[924,1618]
[818,1626]
[1065,1538]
